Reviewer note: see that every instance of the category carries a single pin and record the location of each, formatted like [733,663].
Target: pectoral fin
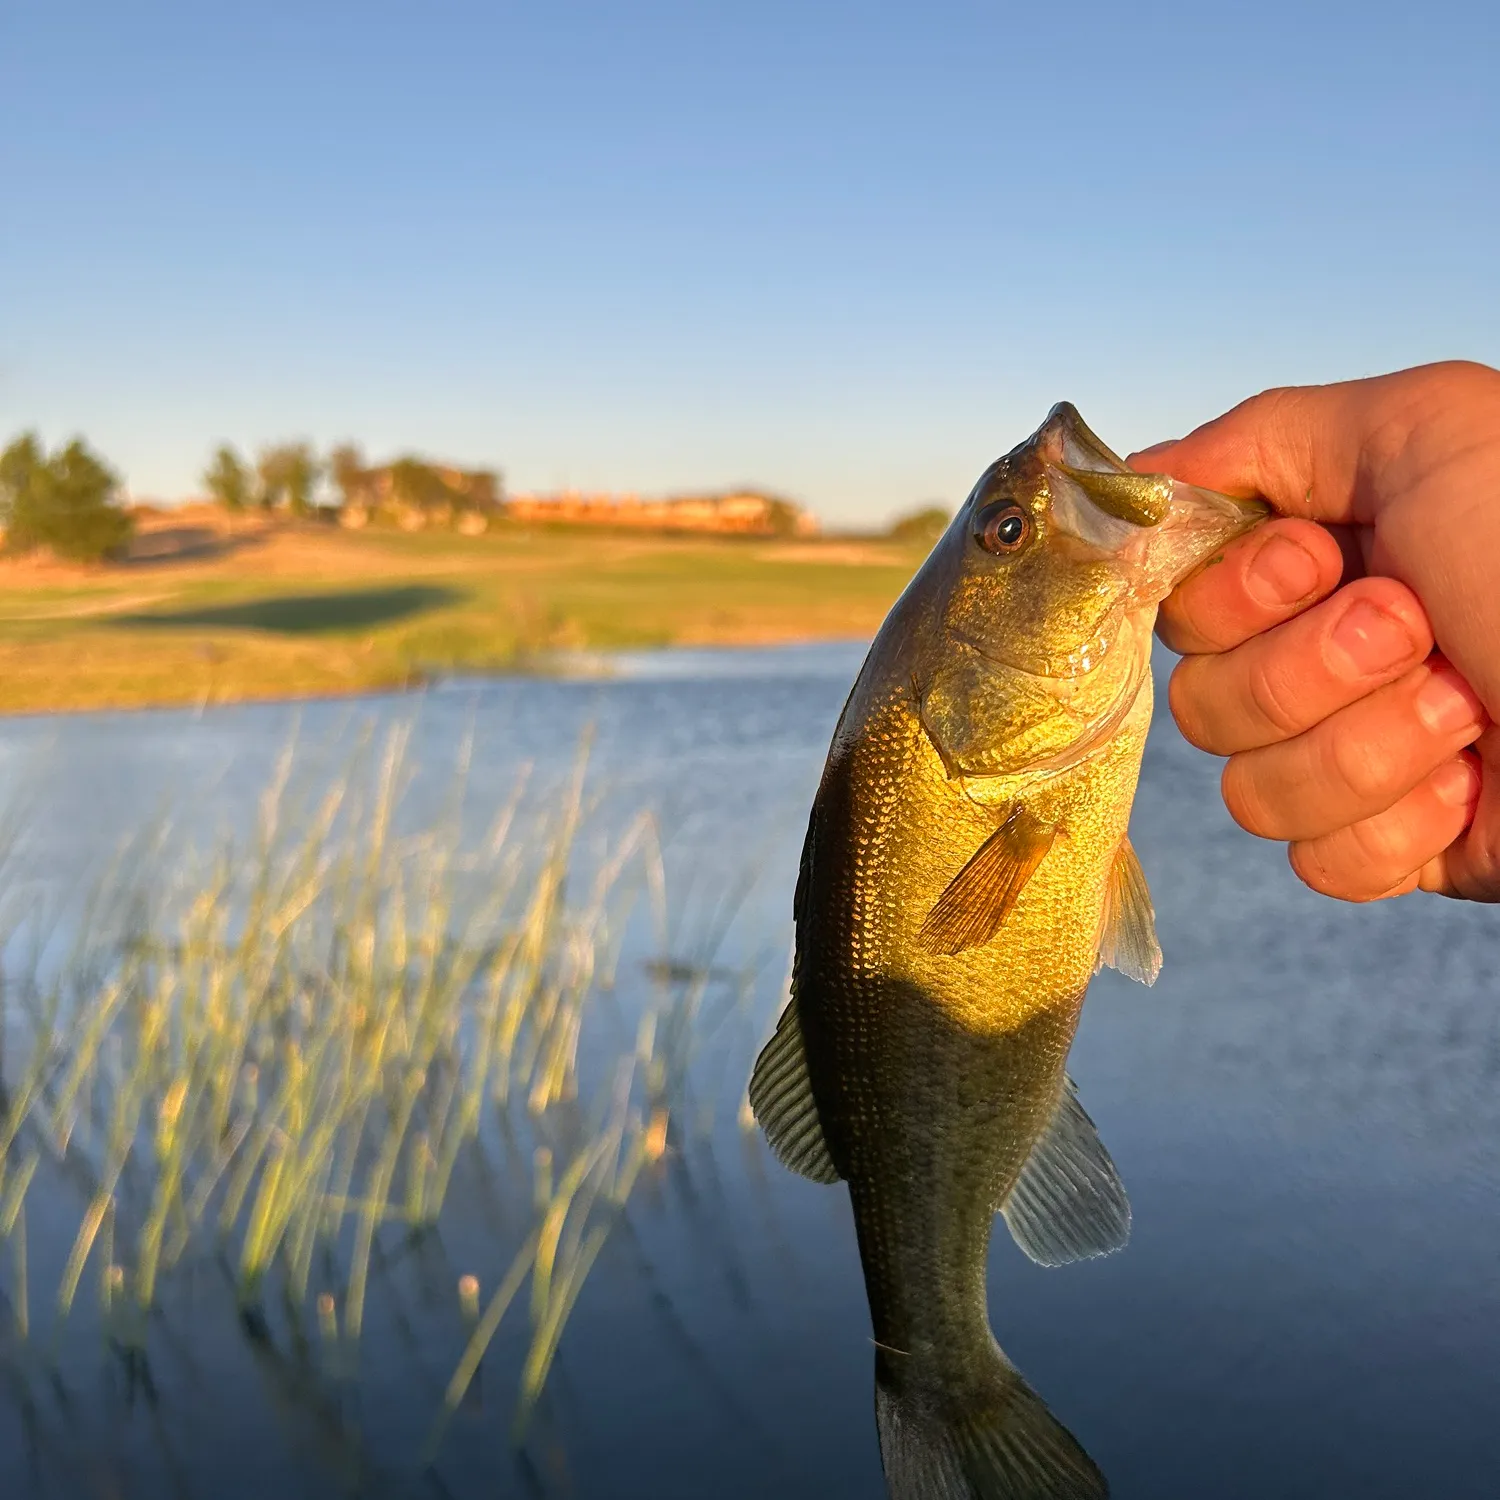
[980,897]
[781,1096]
[1068,1203]
[1128,939]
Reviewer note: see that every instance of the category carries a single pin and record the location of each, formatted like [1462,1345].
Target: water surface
[1304,1109]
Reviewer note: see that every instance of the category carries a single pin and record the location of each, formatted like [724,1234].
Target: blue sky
[847,251]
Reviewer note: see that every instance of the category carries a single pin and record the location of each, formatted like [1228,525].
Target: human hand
[1308,644]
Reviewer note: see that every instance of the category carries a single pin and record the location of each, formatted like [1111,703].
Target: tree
[922,526]
[784,517]
[416,485]
[229,480]
[288,473]
[482,488]
[65,502]
[347,466]
[18,466]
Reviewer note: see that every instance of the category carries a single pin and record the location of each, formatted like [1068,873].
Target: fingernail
[1282,572]
[1456,783]
[1446,703]
[1371,639]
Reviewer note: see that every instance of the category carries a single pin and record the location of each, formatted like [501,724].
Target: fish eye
[1002,527]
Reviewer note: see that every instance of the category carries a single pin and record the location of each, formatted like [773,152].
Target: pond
[1305,1110]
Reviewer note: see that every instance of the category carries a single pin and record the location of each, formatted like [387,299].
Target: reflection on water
[1304,1109]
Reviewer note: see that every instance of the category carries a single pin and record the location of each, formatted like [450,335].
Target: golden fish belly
[934,1074]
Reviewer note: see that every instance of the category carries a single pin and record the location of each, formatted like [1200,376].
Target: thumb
[1326,452]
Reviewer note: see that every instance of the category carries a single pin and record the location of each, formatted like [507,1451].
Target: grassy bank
[206,612]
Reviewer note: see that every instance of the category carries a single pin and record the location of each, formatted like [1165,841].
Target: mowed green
[258,610]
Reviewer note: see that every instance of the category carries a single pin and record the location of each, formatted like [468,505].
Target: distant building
[743,512]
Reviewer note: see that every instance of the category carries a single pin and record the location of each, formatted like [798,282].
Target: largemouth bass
[966,871]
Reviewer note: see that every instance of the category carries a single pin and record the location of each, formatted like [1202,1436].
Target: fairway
[212,611]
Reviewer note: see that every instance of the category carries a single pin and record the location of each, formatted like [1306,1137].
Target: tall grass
[275,1061]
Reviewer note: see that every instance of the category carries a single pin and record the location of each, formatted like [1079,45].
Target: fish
[967,869]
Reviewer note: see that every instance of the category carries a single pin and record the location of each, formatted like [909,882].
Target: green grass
[320,611]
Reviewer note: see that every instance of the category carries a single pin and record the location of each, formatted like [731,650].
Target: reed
[279,1060]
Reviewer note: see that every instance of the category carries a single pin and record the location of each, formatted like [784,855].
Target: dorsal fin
[1068,1203]
[781,1096]
[980,897]
[1127,941]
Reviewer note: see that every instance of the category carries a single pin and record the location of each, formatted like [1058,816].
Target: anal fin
[781,1096]
[979,898]
[1127,941]
[1068,1203]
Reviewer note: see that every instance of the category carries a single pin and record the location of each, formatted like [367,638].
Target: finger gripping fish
[966,871]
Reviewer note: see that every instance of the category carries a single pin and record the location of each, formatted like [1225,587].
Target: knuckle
[1363,766]
[1463,377]
[1386,847]
[1273,698]
[1276,412]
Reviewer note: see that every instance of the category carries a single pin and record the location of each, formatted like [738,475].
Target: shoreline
[586,667]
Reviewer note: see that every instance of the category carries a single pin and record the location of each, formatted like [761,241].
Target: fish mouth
[1197,525]
[1143,533]
[1155,528]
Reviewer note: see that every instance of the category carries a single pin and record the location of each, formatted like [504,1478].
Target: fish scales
[967,868]
[979,1106]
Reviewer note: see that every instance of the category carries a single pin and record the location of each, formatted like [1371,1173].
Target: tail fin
[1005,1446]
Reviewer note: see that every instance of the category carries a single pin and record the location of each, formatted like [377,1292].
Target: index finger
[1278,570]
